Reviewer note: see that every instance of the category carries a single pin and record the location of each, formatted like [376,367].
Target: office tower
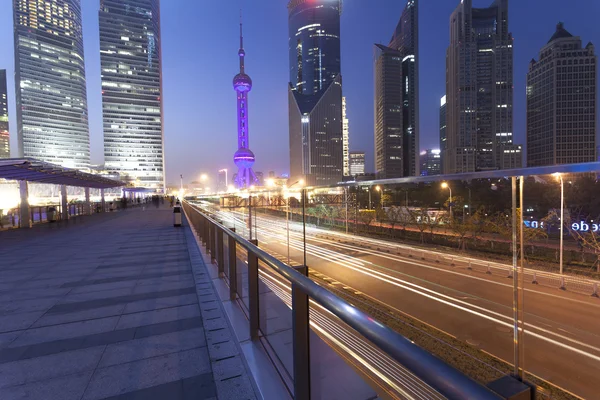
[357,163]
[4,138]
[315,91]
[260,179]
[431,162]
[443,139]
[345,138]
[222,184]
[130,58]
[51,103]
[479,91]
[243,157]
[397,99]
[561,102]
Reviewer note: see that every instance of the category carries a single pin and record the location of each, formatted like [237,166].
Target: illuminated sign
[581,226]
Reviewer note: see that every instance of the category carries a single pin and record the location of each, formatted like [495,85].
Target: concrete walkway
[117,306]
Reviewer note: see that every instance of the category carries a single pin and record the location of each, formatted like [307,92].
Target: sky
[200,39]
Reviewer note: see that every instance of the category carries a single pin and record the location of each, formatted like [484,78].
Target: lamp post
[446,186]
[562,217]
[287,218]
[378,189]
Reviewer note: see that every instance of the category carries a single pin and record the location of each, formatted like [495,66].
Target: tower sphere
[243,158]
[242,83]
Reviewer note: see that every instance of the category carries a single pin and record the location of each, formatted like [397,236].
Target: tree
[366,217]
[419,217]
[501,223]
[398,215]
[585,236]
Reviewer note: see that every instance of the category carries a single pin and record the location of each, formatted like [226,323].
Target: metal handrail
[448,381]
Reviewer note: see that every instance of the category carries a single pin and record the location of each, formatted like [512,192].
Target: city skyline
[186,136]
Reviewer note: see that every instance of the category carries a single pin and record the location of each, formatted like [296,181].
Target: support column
[24,216]
[64,203]
[88,205]
[102,201]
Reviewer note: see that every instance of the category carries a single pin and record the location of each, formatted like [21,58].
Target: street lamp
[287,217]
[562,216]
[378,188]
[446,186]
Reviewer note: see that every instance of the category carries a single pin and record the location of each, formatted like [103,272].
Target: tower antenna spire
[241,53]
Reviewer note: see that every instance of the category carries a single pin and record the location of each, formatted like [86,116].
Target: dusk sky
[199,48]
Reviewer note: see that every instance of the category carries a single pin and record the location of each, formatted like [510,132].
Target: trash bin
[51,214]
[177,216]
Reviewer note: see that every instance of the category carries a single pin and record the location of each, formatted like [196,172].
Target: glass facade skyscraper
[397,99]
[130,59]
[4,137]
[561,102]
[479,91]
[315,91]
[52,117]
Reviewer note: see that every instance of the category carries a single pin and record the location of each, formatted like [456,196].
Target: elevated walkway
[117,305]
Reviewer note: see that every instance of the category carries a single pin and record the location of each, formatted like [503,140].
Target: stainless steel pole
[346,201]
[562,220]
[250,217]
[304,225]
[521,286]
[515,280]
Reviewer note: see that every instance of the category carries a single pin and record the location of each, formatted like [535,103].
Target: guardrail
[444,379]
[565,282]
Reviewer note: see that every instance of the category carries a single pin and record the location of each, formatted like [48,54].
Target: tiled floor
[116,306]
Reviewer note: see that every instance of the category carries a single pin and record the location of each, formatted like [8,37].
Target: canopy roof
[31,170]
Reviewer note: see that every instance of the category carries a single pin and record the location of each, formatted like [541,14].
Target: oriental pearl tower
[244,157]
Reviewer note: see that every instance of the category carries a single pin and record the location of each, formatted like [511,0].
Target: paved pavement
[113,306]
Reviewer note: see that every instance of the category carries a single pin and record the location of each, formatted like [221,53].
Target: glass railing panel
[276,315]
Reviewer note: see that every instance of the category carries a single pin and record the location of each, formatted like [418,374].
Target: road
[561,344]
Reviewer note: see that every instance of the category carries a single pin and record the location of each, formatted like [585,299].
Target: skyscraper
[315,91]
[397,99]
[561,102]
[345,138]
[243,157]
[130,58]
[51,103]
[443,139]
[357,163]
[479,90]
[430,162]
[4,137]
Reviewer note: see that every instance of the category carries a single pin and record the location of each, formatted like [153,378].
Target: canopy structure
[138,190]
[31,170]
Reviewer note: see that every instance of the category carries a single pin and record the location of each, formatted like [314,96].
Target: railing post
[213,243]
[206,234]
[201,227]
[232,267]
[253,294]
[40,213]
[301,340]
[220,255]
